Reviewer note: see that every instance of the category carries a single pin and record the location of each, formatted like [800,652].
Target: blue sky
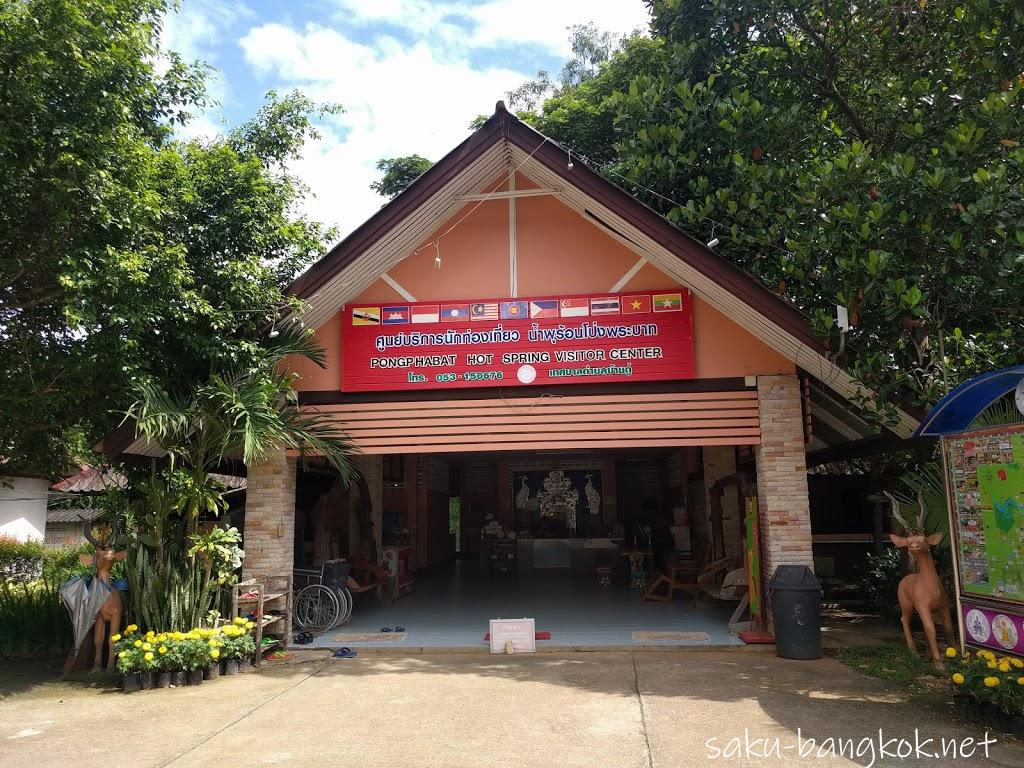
[410,74]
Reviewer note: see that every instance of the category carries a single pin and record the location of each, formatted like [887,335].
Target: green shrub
[880,579]
[33,620]
[20,561]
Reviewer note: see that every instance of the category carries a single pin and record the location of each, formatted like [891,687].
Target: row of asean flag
[518,310]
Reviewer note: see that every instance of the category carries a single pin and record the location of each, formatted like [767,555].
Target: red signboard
[640,336]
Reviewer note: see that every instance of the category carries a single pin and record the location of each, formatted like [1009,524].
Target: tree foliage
[399,173]
[864,156]
[124,253]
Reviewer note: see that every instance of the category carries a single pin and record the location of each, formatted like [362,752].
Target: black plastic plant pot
[163,680]
[147,680]
[194,676]
[230,667]
[212,672]
[131,682]
[178,678]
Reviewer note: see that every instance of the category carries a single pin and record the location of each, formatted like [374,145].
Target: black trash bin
[796,610]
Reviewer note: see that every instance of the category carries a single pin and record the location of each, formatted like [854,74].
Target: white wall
[23,507]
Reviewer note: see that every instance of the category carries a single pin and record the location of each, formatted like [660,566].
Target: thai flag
[395,315]
[608,305]
[544,308]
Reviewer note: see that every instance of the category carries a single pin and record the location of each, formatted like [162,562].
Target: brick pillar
[270,518]
[785,514]
[719,461]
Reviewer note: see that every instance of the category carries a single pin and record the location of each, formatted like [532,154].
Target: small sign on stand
[522,633]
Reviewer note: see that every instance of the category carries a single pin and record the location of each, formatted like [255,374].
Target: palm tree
[243,414]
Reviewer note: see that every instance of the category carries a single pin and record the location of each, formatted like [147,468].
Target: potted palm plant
[243,414]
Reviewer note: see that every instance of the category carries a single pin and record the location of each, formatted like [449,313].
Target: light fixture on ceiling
[569,164]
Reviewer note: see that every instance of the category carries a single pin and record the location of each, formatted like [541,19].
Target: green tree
[867,157]
[241,413]
[399,173]
[125,254]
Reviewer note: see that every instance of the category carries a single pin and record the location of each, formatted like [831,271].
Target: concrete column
[719,461]
[270,518]
[785,514]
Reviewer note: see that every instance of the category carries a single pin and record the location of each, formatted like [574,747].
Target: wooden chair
[679,575]
[365,576]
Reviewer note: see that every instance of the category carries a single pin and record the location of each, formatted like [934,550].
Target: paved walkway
[587,710]
[450,608]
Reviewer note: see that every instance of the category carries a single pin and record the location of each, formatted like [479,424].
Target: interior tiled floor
[450,608]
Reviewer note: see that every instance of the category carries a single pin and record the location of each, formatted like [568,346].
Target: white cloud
[397,100]
[401,97]
[195,31]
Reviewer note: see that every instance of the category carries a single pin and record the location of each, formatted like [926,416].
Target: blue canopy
[957,411]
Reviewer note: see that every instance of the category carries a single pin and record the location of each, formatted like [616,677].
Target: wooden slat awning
[653,420]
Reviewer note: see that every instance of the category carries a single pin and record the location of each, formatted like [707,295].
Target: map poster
[987,493]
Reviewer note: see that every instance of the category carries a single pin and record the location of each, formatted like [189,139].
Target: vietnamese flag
[633,304]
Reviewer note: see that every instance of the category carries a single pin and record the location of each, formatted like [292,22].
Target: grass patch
[890,661]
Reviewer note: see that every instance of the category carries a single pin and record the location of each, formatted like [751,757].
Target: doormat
[369,637]
[687,636]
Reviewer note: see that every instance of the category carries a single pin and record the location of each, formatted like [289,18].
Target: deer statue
[921,591]
[109,611]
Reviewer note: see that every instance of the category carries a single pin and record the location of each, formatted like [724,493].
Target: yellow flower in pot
[959,679]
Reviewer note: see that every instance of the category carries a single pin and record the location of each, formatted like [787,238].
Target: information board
[645,336]
[986,472]
[522,633]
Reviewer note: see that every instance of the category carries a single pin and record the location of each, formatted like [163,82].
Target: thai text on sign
[645,336]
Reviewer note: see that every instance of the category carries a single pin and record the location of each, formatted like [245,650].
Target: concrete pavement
[584,710]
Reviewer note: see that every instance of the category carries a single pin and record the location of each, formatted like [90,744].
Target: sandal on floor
[279,656]
[344,653]
[399,629]
[386,629]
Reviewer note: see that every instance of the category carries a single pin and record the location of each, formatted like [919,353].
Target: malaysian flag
[544,308]
[395,315]
[483,310]
[608,305]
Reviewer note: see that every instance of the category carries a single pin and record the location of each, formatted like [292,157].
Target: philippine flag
[544,308]
[609,305]
[575,307]
[483,310]
[451,313]
[395,315]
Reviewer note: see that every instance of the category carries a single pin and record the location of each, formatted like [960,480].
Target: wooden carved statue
[110,609]
[921,591]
